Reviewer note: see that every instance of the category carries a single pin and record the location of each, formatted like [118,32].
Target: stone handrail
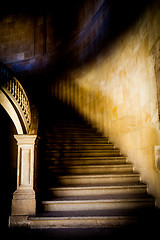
[14,90]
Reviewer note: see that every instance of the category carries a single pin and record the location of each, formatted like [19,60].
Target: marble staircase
[86,181]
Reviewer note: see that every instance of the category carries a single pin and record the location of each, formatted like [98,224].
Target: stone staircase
[86,181]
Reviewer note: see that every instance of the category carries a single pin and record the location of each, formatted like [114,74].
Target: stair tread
[76,134]
[82,150]
[75,140]
[71,129]
[89,158]
[99,165]
[105,185]
[84,144]
[80,146]
[81,138]
[100,214]
[121,174]
[96,166]
[100,186]
[50,217]
[109,198]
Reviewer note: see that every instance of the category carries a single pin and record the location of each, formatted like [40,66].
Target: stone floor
[126,233]
[148,229]
[76,234]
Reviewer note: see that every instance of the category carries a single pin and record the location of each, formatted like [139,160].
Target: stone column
[24,202]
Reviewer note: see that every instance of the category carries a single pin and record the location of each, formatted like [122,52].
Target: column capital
[23,139]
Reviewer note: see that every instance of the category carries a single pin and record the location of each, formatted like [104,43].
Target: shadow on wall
[8,158]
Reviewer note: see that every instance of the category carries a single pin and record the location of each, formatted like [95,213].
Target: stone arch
[4,101]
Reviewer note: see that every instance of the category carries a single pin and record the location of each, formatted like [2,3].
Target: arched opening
[9,107]
[8,158]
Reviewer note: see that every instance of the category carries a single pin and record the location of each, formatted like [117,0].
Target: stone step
[97,190]
[81,222]
[75,140]
[73,133]
[93,219]
[92,169]
[75,136]
[68,204]
[86,160]
[69,180]
[84,153]
[72,128]
[69,125]
[87,183]
[82,146]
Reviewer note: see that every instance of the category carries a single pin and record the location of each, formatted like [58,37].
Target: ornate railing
[12,87]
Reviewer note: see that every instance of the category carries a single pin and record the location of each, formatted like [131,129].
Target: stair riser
[69,140]
[80,206]
[73,125]
[74,134]
[73,130]
[98,180]
[91,170]
[94,192]
[106,222]
[83,154]
[84,162]
[79,147]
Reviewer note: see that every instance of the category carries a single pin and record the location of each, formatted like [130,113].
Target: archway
[11,112]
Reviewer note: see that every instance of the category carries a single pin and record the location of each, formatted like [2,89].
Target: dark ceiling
[80,42]
[113,18]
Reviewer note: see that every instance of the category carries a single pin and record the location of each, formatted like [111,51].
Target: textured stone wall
[17,38]
[54,39]
[26,41]
[117,92]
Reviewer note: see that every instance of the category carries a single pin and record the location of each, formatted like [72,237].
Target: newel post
[24,201]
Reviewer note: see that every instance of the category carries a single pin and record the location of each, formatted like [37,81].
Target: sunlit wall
[117,92]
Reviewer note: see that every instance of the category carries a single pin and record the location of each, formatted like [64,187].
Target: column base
[18,221]
[23,202]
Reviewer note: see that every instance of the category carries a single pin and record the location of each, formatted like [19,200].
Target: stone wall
[26,41]
[17,38]
[117,92]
